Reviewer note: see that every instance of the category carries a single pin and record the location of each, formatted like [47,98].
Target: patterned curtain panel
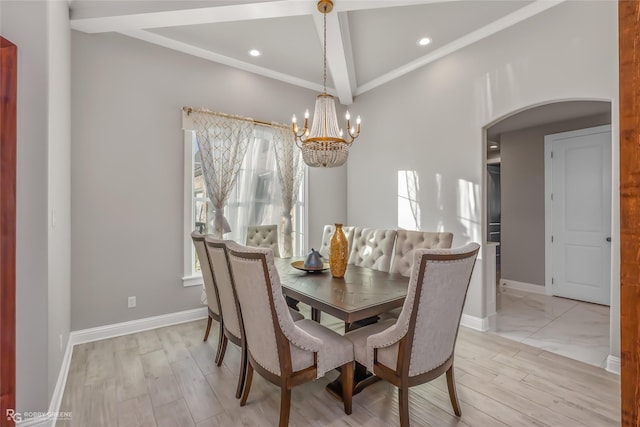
[290,170]
[222,142]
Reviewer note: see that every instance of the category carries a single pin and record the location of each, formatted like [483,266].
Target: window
[255,199]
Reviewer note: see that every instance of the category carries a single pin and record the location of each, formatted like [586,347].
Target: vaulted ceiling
[369,42]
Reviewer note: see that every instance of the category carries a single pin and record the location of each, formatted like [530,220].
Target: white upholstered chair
[229,306]
[372,248]
[327,234]
[407,241]
[419,345]
[210,289]
[283,352]
[263,236]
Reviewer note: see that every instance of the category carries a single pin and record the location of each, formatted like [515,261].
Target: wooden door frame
[629,57]
[8,98]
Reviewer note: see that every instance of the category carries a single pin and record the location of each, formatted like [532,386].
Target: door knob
[608,239]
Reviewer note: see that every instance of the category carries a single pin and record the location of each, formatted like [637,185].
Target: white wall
[59,171]
[42,280]
[127,169]
[432,119]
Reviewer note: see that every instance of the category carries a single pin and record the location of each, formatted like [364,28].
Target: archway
[522,256]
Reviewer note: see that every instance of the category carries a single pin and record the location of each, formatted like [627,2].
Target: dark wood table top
[361,294]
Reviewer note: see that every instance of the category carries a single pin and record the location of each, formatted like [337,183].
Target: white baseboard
[478,323]
[49,419]
[613,364]
[133,326]
[522,286]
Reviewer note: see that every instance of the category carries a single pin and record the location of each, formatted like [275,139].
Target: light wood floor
[167,377]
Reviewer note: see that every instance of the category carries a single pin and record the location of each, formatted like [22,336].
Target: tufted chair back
[327,234]
[372,248]
[264,236]
[408,241]
[207,275]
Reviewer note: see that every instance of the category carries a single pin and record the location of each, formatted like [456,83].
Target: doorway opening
[515,206]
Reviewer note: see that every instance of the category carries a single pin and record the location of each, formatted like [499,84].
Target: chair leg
[403,401]
[243,372]
[222,346]
[451,384]
[247,385]
[285,406]
[206,334]
[347,386]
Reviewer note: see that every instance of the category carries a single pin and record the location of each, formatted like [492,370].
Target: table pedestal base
[361,380]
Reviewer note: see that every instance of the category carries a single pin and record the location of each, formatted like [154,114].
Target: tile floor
[574,329]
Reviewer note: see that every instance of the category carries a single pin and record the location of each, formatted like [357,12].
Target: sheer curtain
[222,142]
[290,170]
[256,198]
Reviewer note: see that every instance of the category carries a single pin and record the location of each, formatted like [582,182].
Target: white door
[578,214]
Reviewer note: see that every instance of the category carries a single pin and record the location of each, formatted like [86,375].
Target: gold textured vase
[338,253]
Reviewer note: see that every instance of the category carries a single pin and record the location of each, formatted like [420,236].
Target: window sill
[195,280]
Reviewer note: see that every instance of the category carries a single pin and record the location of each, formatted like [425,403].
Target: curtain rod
[189,110]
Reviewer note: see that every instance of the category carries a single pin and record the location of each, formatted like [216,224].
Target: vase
[338,253]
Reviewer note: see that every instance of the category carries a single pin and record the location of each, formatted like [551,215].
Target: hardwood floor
[167,377]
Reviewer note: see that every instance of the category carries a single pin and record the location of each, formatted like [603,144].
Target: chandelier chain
[324,53]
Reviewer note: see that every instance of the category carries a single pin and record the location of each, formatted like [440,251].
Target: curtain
[290,170]
[256,198]
[222,142]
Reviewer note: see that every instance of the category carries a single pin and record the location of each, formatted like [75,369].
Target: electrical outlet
[131,302]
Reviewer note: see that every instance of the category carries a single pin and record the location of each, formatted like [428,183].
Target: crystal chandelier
[324,145]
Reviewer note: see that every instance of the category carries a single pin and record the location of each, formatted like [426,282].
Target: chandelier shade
[324,144]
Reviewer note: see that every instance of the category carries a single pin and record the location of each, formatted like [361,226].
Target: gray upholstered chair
[327,234]
[213,302]
[408,241]
[419,345]
[264,236]
[372,248]
[283,352]
[229,307]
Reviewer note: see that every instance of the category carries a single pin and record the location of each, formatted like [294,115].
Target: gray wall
[522,187]
[432,119]
[40,29]
[127,170]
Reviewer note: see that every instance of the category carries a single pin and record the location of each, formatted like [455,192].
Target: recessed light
[424,41]
[254,52]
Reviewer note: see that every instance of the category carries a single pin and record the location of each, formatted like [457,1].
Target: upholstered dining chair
[408,241]
[285,353]
[264,236]
[229,307]
[327,234]
[213,301]
[419,346]
[372,248]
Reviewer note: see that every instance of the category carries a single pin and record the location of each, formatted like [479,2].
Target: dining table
[357,299]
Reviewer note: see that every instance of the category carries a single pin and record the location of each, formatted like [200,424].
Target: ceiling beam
[229,13]
[505,22]
[336,56]
[205,15]
[215,57]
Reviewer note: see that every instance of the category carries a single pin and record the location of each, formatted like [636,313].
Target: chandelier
[323,145]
